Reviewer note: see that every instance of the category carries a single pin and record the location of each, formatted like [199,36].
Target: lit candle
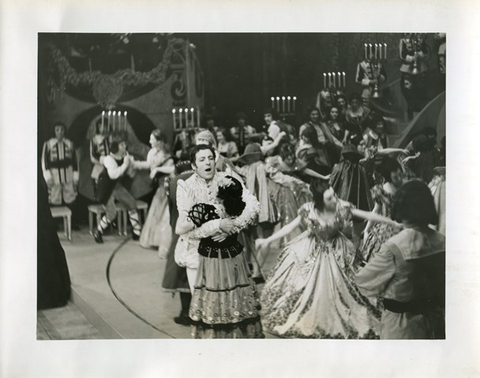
[385,51]
[288,104]
[109,124]
[186,117]
[324,80]
[180,111]
[119,120]
[366,54]
[344,81]
[192,112]
[376,50]
[103,122]
[371,50]
[198,116]
[329,80]
[125,120]
[294,99]
[114,115]
[273,101]
[173,114]
[283,104]
[339,74]
[380,51]
[278,104]
[334,77]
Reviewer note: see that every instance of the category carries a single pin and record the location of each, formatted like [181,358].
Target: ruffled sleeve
[303,211]
[252,208]
[344,210]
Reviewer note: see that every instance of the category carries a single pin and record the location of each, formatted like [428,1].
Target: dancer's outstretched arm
[369,216]
[284,231]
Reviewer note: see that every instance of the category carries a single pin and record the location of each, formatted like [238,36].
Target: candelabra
[186,118]
[284,105]
[113,121]
[376,54]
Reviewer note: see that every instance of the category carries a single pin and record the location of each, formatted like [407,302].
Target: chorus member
[409,270]
[60,169]
[156,231]
[310,292]
[111,188]
[375,134]
[99,148]
[383,195]
[368,75]
[413,53]
[426,158]
[351,180]
[355,116]
[273,126]
[311,151]
[242,132]
[226,145]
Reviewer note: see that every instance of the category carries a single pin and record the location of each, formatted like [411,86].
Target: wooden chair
[65,213]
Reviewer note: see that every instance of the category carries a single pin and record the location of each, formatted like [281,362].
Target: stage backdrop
[79,77]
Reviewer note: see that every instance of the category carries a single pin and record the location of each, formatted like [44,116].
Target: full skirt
[157,231]
[310,293]
[225,302]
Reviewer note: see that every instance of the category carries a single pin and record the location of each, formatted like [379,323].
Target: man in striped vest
[60,168]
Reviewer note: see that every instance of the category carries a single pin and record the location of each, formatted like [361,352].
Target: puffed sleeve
[303,212]
[185,201]
[377,194]
[252,208]
[373,279]
[344,210]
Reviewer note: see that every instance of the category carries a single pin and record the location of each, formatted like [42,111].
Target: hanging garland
[69,76]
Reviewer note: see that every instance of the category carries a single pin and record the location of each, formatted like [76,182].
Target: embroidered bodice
[325,230]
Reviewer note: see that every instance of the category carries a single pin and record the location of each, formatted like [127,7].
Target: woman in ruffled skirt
[310,292]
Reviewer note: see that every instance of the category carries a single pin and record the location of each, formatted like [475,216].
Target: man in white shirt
[110,188]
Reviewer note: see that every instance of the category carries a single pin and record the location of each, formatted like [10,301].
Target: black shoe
[182,320]
[135,236]
[259,280]
[97,235]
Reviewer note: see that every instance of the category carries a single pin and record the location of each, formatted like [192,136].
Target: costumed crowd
[360,226]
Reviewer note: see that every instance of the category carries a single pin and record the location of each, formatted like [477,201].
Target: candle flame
[294,98]
[288,98]
[192,110]
[278,98]
[186,110]
[180,110]
[173,111]
[283,97]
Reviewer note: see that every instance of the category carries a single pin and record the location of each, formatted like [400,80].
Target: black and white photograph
[279,192]
[246,184]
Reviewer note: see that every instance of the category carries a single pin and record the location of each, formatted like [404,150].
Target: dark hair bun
[232,197]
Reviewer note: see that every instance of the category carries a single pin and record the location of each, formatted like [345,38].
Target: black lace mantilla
[202,213]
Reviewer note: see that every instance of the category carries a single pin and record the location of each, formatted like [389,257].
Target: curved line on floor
[127,307]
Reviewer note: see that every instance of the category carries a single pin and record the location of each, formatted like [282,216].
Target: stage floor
[117,287]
